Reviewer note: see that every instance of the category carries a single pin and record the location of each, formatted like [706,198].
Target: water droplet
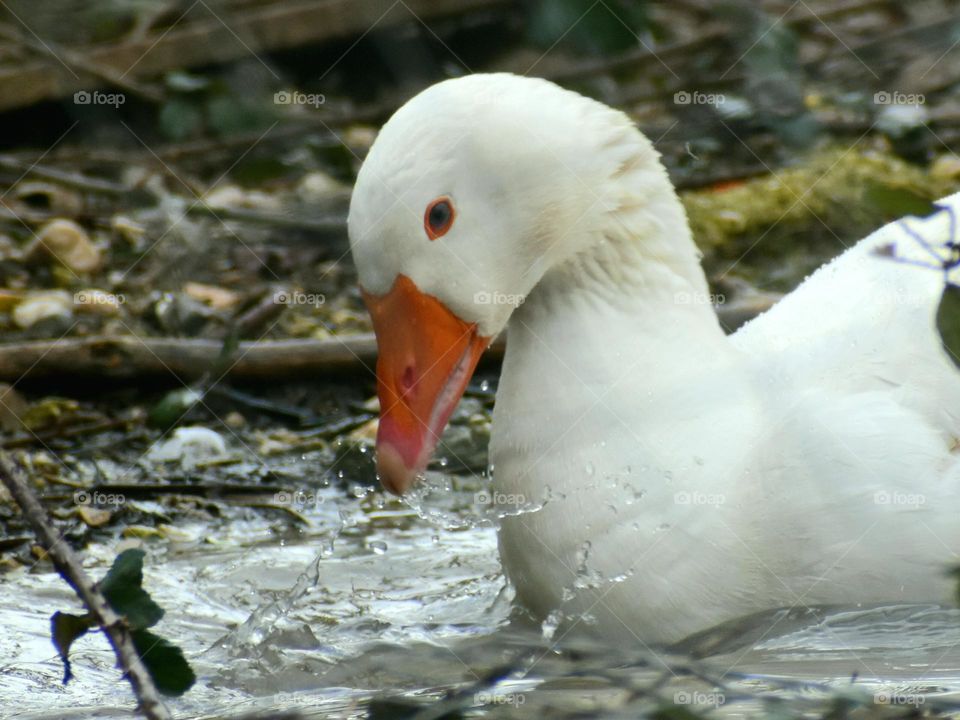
[550,625]
[590,469]
[484,386]
[377,546]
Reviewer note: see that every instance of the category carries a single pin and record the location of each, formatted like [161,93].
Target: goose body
[657,476]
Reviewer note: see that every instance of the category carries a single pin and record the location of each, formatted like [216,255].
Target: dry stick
[128,357]
[81,62]
[72,180]
[69,567]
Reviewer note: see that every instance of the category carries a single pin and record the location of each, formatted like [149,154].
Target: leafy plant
[123,589]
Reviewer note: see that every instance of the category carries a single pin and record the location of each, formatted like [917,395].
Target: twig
[70,569]
[79,61]
[331,224]
[150,491]
[186,358]
[95,428]
[74,180]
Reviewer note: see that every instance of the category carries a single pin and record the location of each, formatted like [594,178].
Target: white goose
[683,477]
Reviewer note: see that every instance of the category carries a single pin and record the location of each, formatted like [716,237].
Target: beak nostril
[407,381]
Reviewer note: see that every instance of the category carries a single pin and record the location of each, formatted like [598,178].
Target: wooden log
[260,29]
[130,357]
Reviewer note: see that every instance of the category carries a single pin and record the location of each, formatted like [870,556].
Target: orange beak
[426,356]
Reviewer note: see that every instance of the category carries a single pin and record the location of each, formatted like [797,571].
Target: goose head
[474,190]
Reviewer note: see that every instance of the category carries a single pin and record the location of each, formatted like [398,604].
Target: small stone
[53,304]
[127,228]
[945,167]
[235,420]
[98,302]
[92,516]
[317,186]
[69,244]
[216,297]
[189,446]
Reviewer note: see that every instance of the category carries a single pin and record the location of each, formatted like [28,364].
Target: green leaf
[174,405]
[948,321]
[165,662]
[675,712]
[180,119]
[64,629]
[122,589]
[896,202]
[588,26]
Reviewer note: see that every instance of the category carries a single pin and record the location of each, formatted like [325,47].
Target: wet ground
[332,599]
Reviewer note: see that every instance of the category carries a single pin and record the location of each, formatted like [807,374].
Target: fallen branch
[130,357]
[69,567]
[208,41]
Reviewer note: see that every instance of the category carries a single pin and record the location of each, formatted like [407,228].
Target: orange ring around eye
[438,217]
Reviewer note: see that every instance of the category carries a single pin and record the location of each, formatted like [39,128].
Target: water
[377,602]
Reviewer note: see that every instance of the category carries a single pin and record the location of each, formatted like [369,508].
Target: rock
[52,305]
[235,420]
[231,196]
[189,446]
[316,187]
[216,297]
[359,137]
[67,243]
[180,314]
[945,167]
[92,516]
[98,302]
[897,120]
[129,229]
[49,196]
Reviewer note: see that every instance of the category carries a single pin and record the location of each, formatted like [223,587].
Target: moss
[777,228]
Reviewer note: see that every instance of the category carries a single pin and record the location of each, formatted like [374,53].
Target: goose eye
[438,218]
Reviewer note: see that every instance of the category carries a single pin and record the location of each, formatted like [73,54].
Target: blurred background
[804,124]
[181,327]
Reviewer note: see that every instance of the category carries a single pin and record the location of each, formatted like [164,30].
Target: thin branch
[70,568]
